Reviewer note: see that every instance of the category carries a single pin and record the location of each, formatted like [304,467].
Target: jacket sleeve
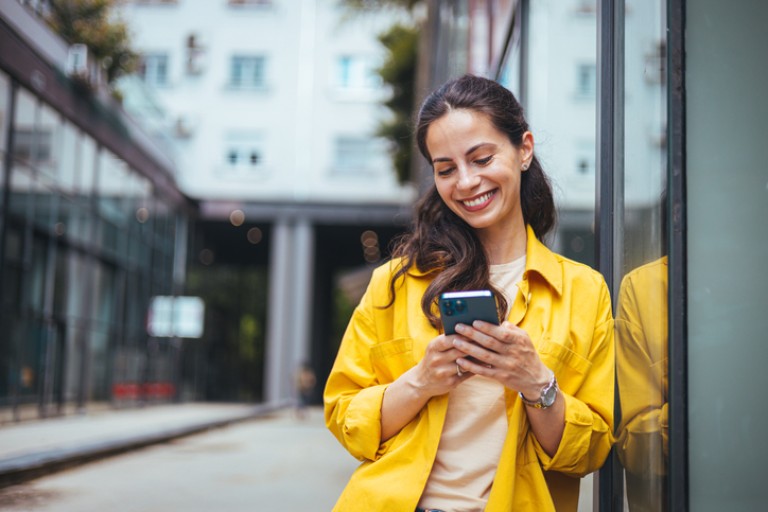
[353,395]
[588,434]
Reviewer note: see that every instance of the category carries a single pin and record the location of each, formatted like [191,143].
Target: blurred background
[241,166]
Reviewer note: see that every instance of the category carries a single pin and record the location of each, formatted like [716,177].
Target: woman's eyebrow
[468,152]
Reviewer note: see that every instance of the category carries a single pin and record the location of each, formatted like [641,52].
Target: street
[273,463]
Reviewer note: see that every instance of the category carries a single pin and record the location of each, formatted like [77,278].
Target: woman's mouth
[478,202]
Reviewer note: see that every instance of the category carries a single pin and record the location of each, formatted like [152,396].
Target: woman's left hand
[504,353]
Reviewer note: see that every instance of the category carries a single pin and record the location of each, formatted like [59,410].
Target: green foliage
[91,22]
[399,72]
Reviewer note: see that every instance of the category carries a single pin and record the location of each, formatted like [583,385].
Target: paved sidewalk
[34,448]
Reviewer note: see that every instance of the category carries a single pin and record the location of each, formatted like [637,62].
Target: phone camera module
[460,306]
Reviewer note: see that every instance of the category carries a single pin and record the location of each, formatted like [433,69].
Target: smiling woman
[495,417]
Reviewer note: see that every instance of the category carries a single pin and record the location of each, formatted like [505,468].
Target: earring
[525,167]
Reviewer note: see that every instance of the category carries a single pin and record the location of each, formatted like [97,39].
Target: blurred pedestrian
[305,389]
[497,417]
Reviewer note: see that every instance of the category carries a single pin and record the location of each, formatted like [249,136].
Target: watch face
[549,395]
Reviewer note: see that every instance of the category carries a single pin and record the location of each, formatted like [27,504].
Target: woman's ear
[526,148]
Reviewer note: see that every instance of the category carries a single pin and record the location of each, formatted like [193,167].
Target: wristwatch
[548,395]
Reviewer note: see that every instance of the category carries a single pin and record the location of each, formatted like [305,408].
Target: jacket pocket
[570,367]
[392,358]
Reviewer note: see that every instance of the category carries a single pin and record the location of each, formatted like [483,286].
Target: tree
[399,72]
[91,22]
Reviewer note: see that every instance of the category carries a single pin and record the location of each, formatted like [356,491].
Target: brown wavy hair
[441,244]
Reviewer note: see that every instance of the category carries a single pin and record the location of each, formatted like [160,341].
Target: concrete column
[278,314]
[304,276]
[289,313]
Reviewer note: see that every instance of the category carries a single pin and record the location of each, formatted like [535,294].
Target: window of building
[354,72]
[247,72]
[359,155]
[153,69]
[244,151]
[250,3]
[586,80]
[32,146]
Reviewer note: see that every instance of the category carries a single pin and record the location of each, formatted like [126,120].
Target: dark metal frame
[524,30]
[678,476]
[609,206]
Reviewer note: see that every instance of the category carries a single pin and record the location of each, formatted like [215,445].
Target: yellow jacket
[565,308]
[642,362]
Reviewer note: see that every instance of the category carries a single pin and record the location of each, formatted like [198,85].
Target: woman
[496,417]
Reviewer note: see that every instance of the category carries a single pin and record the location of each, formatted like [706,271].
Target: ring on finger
[458,370]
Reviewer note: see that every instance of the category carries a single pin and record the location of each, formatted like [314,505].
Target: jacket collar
[539,259]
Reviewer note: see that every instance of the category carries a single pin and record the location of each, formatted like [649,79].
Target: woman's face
[477,170]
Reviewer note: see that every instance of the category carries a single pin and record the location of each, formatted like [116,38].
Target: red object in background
[148,390]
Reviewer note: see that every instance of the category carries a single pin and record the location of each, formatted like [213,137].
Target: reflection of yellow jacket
[641,358]
[566,310]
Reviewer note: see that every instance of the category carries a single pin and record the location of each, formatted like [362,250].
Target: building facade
[92,225]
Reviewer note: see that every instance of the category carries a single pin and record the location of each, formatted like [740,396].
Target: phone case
[466,307]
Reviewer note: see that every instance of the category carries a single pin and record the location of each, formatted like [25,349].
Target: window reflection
[641,311]
[641,337]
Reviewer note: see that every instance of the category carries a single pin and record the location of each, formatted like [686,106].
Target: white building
[274,105]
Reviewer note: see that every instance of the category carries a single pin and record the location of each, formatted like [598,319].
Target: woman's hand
[504,353]
[437,373]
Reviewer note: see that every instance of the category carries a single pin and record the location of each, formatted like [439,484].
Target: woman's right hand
[436,374]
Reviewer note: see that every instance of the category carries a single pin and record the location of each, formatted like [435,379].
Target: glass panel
[561,108]
[87,166]
[727,246]
[112,189]
[49,138]
[70,158]
[641,312]
[562,41]
[81,219]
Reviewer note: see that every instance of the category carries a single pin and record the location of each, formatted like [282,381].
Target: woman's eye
[484,161]
[445,172]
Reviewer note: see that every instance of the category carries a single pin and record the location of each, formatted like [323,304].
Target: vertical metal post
[6,345]
[678,318]
[609,194]
[524,23]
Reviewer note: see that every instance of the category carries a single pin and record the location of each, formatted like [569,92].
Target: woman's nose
[467,179]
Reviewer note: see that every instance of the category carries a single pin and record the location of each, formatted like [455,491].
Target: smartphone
[466,307]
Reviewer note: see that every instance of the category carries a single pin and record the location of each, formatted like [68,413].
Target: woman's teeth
[478,200]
